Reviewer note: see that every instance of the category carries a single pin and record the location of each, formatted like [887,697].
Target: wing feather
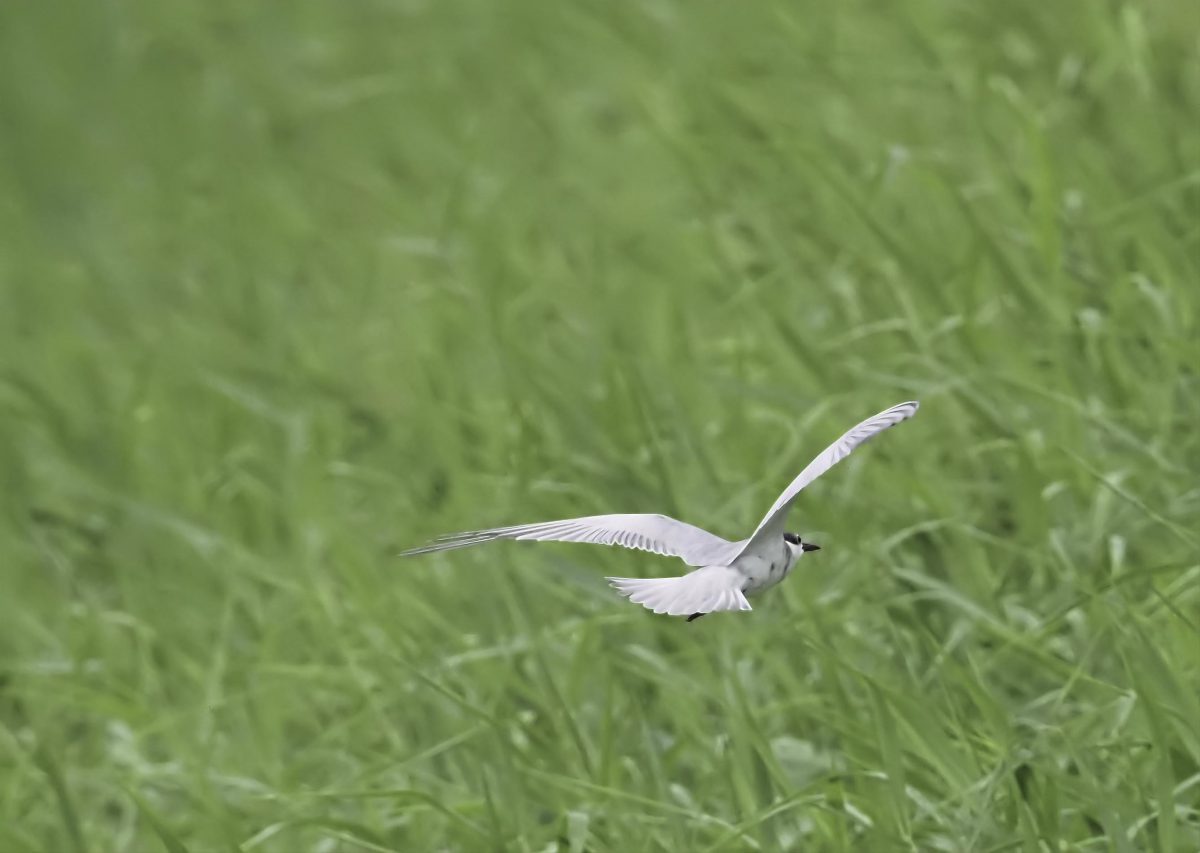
[772,524]
[657,534]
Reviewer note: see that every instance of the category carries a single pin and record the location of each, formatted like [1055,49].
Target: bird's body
[726,571]
[749,573]
[763,571]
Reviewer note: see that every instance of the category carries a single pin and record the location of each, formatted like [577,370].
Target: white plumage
[727,571]
[705,590]
[658,534]
[772,524]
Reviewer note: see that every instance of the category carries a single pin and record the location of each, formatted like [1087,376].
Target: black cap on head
[793,538]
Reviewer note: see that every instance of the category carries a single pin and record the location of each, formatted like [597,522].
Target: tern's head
[794,539]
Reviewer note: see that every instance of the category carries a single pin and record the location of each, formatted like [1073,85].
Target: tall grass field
[287,288]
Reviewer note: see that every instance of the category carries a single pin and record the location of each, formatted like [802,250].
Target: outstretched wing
[658,534]
[772,524]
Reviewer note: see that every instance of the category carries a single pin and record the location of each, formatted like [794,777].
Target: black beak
[808,546]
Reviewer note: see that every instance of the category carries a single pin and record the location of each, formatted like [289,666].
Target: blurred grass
[285,288]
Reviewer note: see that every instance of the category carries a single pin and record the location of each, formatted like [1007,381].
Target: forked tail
[705,590]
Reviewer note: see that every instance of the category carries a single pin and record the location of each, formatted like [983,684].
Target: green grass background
[285,288]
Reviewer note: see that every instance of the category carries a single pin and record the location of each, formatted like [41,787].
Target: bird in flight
[726,572]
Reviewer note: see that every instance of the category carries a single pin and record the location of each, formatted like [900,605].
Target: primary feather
[773,522]
[658,534]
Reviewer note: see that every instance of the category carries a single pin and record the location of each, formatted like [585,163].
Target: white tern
[726,571]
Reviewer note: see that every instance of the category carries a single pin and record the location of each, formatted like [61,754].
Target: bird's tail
[705,590]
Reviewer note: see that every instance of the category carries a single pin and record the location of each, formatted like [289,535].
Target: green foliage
[285,288]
